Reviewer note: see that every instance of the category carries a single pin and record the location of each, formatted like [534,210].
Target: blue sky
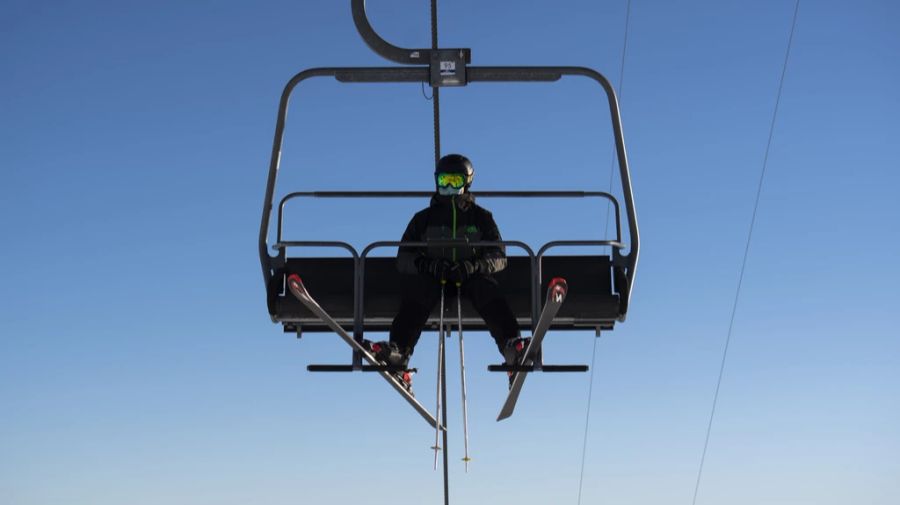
[137,361]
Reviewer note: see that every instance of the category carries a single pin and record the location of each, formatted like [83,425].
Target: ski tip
[502,416]
[295,282]
[558,283]
[557,289]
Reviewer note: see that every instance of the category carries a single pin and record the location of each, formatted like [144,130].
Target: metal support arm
[447,66]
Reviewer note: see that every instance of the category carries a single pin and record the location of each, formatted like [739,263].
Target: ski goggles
[453,180]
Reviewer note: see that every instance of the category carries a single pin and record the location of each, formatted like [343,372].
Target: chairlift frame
[440,68]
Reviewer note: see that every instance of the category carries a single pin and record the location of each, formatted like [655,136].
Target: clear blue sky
[137,361]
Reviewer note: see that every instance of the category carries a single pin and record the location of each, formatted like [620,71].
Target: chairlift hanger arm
[447,67]
[387,50]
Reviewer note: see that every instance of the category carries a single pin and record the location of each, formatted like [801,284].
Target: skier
[452,214]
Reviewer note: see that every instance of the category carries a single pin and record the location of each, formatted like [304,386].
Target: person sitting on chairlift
[452,215]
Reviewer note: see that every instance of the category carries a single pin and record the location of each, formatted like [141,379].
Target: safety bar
[424,194]
[317,243]
[615,244]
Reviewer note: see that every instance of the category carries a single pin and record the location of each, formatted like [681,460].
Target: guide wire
[587,415]
[737,293]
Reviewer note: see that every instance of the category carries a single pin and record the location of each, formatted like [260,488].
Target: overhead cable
[737,293]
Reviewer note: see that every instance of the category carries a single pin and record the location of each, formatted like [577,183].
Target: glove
[461,271]
[433,267]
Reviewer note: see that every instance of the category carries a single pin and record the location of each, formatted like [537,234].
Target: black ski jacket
[437,222]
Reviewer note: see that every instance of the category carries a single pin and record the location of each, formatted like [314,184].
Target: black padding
[590,302]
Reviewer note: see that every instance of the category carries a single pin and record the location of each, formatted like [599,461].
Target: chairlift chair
[360,291]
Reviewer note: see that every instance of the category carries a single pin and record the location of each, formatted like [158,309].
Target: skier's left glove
[461,271]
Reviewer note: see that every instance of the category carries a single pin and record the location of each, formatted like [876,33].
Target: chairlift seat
[591,302]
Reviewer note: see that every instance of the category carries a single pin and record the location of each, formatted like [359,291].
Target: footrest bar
[565,368]
[545,368]
[349,368]
[329,368]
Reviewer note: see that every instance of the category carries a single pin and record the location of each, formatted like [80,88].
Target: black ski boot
[513,353]
[393,356]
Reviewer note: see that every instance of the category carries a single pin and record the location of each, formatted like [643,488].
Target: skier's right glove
[433,267]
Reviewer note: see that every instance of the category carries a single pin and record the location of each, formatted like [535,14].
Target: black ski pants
[422,293]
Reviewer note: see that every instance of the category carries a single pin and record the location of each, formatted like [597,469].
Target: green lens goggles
[453,180]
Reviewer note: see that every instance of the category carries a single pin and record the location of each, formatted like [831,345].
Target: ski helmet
[453,164]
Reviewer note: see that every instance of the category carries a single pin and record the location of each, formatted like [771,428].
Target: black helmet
[455,164]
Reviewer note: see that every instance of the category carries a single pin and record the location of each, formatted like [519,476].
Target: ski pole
[462,373]
[437,412]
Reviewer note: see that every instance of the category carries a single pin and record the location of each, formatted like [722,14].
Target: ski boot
[391,355]
[513,353]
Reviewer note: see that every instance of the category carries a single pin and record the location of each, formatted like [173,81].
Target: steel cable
[587,416]
[737,293]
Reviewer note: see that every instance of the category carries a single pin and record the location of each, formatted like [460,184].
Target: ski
[556,294]
[295,284]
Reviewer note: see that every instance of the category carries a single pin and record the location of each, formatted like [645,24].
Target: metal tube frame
[425,194]
[475,74]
